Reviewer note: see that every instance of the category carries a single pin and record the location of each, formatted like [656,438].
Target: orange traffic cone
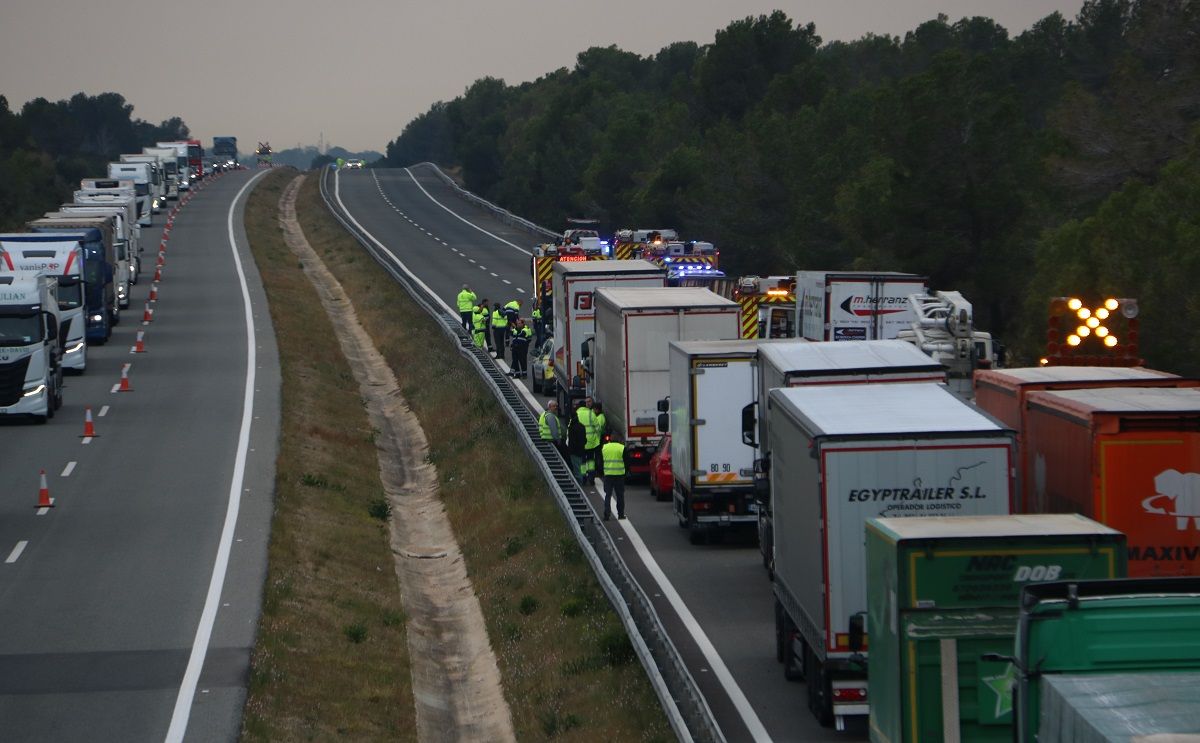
[158,273]
[89,428]
[162,246]
[154,292]
[44,499]
[148,315]
[162,260]
[138,347]
[125,380]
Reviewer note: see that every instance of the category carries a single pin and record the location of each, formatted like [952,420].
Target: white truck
[629,358]
[711,467]
[158,181]
[127,201]
[854,306]
[796,363]
[31,372]
[50,255]
[841,455]
[943,327]
[142,176]
[114,216]
[184,175]
[168,163]
[575,319]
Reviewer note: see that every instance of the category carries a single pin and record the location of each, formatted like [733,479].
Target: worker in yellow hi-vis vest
[613,453]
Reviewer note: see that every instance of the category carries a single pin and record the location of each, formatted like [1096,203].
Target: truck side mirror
[664,405]
[749,425]
[858,630]
[586,351]
[664,422]
[51,327]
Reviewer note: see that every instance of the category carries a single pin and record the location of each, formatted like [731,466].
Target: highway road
[128,611]
[715,599]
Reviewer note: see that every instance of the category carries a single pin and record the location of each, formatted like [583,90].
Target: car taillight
[850,695]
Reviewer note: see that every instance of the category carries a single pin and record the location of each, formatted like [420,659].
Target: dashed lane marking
[16,553]
[68,469]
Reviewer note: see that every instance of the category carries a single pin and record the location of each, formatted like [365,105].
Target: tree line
[47,147]
[1062,160]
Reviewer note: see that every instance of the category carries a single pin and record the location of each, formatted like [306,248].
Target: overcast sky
[358,70]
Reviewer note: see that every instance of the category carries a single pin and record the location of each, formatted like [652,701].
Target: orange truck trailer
[1128,457]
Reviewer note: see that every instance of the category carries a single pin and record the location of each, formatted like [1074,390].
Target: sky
[357,71]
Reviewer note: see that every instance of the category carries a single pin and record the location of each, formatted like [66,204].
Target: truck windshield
[20,328]
[70,293]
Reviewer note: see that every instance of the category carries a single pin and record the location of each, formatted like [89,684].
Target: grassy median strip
[568,668]
[331,661]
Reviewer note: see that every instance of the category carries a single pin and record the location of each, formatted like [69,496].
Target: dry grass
[568,668]
[331,661]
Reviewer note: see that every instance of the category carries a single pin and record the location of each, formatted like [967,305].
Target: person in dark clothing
[519,344]
[576,444]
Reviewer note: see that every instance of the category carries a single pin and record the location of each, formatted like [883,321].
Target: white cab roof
[801,356]
[883,409]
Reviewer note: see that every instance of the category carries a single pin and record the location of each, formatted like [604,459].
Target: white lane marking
[463,220]
[191,676]
[116,387]
[506,281]
[68,469]
[740,702]
[103,411]
[471,260]
[520,290]
[483,268]
[86,440]
[44,510]
[16,553]
[493,273]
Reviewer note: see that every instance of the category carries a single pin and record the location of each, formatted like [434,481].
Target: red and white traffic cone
[162,246]
[158,273]
[44,499]
[162,260]
[89,428]
[148,315]
[125,380]
[139,346]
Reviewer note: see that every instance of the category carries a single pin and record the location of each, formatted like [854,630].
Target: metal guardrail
[498,212]
[687,710]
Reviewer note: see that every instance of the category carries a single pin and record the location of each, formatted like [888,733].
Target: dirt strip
[456,683]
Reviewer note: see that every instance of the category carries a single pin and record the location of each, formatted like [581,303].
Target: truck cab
[142,177]
[99,270]
[30,346]
[157,183]
[63,259]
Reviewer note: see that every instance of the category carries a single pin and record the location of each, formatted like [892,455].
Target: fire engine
[663,248]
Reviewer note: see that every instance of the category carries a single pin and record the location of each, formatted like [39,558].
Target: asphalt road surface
[715,599]
[118,618]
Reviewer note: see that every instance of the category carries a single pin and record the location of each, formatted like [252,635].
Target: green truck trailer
[1115,660]
[943,591]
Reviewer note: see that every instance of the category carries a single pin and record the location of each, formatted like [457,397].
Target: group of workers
[583,439]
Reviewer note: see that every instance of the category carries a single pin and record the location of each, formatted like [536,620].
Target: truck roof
[864,274]
[881,409]
[1129,400]
[653,297]
[21,288]
[36,237]
[797,356]
[1060,374]
[1025,525]
[714,348]
[606,266]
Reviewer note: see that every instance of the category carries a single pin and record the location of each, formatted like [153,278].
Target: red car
[661,482]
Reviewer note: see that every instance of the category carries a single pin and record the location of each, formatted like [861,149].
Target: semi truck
[629,362]
[142,177]
[51,255]
[112,198]
[574,284]
[712,468]
[99,271]
[184,173]
[943,592]
[158,180]
[1128,457]
[225,151]
[797,363]
[1104,660]
[855,306]
[30,346]
[168,163]
[113,217]
[845,454]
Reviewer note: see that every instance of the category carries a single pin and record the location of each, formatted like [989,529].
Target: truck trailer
[99,270]
[842,455]
[574,284]
[51,255]
[142,176]
[31,372]
[1128,457]
[855,306]
[114,219]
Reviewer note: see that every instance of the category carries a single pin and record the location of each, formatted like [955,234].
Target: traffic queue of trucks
[1020,477]
[64,282]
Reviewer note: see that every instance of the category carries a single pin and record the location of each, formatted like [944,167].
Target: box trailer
[712,467]
[142,176]
[96,237]
[630,362]
[845,454]
[943,593]
[1128,457]
[574,283]
[61,258]
[795,363]
[1002,393]
[855,305]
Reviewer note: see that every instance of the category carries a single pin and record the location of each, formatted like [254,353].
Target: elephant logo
[1184,493]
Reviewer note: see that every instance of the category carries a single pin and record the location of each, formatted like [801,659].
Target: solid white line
[191,676]
[103,411]
[68,469]
[461,219]
[16,553]
[740,702]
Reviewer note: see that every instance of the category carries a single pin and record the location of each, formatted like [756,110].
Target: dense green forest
[46,148]
[1059,161]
